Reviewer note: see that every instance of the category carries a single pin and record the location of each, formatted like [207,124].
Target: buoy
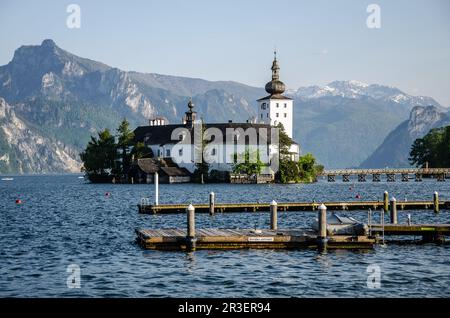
[358,196]
[107,194]
[18,201]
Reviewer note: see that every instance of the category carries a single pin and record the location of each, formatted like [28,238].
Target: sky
[317,41]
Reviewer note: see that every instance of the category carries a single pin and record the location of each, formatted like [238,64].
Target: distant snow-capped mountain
[355,90]
[52,101]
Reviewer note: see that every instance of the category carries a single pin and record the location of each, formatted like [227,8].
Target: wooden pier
[289,207]
[323,238]
[175,239]
[440,174]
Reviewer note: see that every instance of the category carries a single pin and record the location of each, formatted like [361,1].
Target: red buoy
[18,201]
[358,196]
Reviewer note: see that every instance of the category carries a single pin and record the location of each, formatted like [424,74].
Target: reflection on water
[64,221]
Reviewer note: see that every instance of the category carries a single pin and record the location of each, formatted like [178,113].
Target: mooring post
[273,215]
[190,237]
[156,181]
[386,201]
[211,203]
[322,237]
[393,211]
[436,201]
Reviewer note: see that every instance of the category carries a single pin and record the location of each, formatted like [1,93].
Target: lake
[64,220]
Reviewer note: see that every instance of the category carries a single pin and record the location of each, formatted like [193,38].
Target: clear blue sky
[317,41]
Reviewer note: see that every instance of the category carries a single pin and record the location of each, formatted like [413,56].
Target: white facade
[219,156]
[275,111]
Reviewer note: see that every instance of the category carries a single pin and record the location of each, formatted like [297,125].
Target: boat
[7,179]
[342,225]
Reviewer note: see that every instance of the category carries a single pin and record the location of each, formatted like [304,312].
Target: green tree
[287,172]
[201,172]
[140,150]
[309,170]
[247,166]
[100,155]
[125,140]
[433,148]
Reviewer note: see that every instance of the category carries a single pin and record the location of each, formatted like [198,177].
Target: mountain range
[52,101]
[394,151]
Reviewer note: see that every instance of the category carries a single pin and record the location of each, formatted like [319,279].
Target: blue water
[64,220]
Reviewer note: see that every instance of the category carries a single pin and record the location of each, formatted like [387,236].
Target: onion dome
[275,86]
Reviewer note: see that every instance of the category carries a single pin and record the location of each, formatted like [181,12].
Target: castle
[177,144]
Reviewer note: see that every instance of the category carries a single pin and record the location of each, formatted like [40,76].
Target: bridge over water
[391,174]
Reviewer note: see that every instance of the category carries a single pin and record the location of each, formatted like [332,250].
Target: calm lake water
[64,220]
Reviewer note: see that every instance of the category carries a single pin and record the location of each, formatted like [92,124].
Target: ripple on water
[65,221]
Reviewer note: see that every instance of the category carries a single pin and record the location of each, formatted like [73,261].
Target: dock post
[211,203]
[393,211]
[156,182]
[386,201]
[190,237]
[273,215]
[436,201]
[322,237]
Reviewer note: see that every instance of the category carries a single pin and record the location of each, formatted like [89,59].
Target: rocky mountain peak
[422,119]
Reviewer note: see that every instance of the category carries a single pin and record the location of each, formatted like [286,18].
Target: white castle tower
[276,108]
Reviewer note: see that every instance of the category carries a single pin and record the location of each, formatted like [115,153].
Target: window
[263,106]
[277,115]
[213,152]
[285,115]
[181,137]
[180,152]
[261,116]
[267,115]
[278,105]
[159,153]
[167,152]
[285,105]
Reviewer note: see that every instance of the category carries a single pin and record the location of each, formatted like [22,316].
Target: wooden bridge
[391,174]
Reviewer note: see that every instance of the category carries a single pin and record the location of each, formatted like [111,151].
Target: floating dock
[289,207]
[176,239]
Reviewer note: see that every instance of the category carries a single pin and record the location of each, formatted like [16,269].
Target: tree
[309,170]
[140,150]
[125,141]
[246,165]
[287,172]
[433,148]
[285,142]
[100,155]
[201,172]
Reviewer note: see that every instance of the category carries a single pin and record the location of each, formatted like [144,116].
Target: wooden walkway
[175,239]
[291,207]
[413,229]
[440,174]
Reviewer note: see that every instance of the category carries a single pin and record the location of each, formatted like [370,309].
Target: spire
[275,87]
[190,114]
[190,104]
[275,67]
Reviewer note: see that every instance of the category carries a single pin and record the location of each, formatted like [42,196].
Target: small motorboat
[341,225]
[7,179]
